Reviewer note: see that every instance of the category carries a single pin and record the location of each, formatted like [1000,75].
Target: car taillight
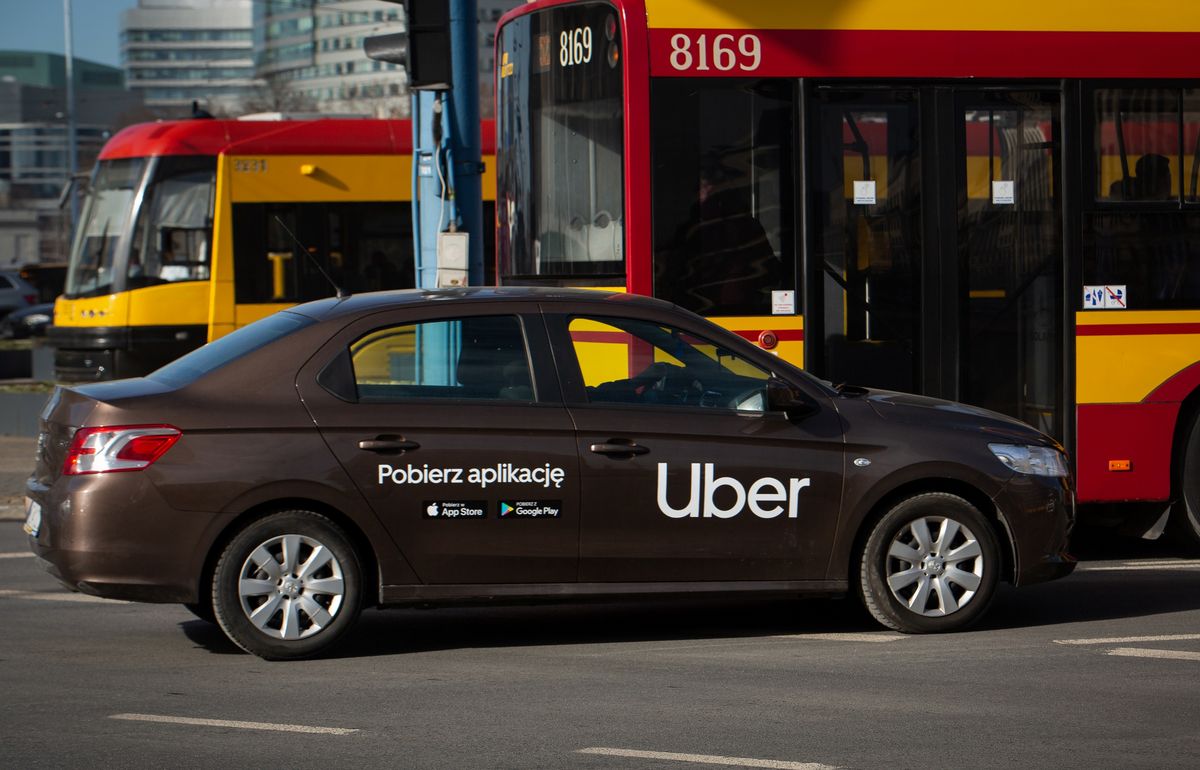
[118,448]
[31,299]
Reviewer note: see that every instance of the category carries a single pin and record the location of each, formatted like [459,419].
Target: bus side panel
[1134,369]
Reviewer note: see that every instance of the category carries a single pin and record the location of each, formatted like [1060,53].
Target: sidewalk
[17,457]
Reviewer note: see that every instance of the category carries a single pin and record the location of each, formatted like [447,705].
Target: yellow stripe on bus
[1015,16]
[1113,368]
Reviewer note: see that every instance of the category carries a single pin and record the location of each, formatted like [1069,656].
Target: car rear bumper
[1039,513]
[114,536]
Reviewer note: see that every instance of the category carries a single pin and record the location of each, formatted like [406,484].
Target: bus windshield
[560,202]
[102,227]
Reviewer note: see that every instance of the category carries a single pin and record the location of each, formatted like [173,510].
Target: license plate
[33,517]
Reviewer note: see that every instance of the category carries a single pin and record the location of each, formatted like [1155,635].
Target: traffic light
[424,50]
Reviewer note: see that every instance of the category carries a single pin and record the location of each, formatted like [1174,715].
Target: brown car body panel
[263,432]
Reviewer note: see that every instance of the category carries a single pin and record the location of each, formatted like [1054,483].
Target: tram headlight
[1031,460]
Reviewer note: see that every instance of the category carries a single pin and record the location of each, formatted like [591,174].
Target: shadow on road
[1083,597]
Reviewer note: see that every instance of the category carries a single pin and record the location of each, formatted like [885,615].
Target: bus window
[1143,233]
[561,202]
[722,154]
[102,226]
[172,238]
[1137,144]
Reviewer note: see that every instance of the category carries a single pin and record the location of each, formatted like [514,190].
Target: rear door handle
[382,444]
[617,448]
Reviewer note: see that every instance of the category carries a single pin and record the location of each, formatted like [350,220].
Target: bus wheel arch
[1184,522]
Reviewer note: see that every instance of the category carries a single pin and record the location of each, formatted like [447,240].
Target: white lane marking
[234,723]
[706,759]
[1131,639]
[17,555]
[54,597]
[1135,652]
[1128,566]
[847,637]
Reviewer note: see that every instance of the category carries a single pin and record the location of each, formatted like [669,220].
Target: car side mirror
[782,396]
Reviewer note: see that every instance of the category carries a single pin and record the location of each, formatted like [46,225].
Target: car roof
[369,302]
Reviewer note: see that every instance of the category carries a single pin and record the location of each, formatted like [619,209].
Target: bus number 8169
[575,46]
[721,54]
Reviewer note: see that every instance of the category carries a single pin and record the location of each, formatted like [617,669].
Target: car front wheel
[930,565]
[287,586]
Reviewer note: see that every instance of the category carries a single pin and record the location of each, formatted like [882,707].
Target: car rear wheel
[288,586]
[1185,519]
[930,565]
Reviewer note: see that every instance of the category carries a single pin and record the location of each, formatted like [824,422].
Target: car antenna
[340,292]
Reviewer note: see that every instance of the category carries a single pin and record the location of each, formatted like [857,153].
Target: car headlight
[1033,460]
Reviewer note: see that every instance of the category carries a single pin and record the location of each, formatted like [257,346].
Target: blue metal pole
[428,205]
[467,166]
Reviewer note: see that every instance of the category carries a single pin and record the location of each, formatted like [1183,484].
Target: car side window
[477,357]
[629,361]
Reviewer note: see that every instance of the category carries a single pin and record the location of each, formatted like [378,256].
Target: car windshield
[217,353]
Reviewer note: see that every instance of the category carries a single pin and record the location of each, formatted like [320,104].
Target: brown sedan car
[438,447]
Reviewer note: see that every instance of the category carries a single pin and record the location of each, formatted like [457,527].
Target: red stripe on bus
[614,338]
[1130,330]
[933,54]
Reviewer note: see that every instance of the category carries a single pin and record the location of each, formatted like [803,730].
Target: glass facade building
[176,52]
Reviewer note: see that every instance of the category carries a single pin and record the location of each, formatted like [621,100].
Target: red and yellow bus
[995,208]
[180,240]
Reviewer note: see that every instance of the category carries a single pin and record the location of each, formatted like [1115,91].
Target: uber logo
[762,492]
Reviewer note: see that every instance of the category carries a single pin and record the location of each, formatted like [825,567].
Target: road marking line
[1152,565]
[17,555]
[234,723]
[1135,652]
[847,637]
[706,759]
[55,597]
[1132,639]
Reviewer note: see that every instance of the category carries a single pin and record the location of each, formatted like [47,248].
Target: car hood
[936,412]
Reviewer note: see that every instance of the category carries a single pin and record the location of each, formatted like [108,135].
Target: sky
[37,25]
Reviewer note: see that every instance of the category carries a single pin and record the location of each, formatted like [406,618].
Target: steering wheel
[662,382]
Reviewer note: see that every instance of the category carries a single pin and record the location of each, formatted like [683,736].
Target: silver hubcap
[291,587]
[934,566]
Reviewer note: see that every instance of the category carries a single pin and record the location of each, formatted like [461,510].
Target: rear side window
[481,357]
[217,353]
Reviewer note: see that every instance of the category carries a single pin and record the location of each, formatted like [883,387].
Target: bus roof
[271,137]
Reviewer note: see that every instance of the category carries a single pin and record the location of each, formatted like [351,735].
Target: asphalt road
[1099,670]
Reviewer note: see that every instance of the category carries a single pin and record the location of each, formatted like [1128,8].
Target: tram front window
[102,227]
[560,204]
[174,227]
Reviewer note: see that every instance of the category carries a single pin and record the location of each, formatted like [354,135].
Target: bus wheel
[1185,519]
[930,565]
[288,586]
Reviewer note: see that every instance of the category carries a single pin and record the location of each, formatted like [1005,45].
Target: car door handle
[387,445]
[619,449]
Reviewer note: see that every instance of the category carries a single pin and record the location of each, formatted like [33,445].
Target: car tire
[288,586]
[930,565]
[1184,523]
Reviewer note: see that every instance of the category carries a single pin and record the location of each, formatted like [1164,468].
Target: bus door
[935,245]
